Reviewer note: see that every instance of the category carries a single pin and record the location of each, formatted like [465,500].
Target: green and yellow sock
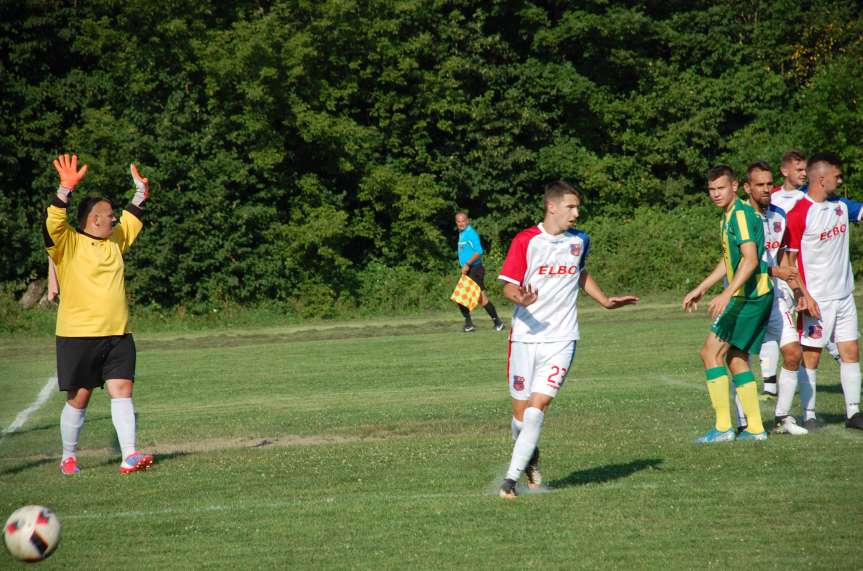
[717,387]
[748,393]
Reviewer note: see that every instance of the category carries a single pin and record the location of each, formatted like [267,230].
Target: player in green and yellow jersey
[740,312]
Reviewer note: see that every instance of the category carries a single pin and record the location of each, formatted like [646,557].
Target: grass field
[380,444]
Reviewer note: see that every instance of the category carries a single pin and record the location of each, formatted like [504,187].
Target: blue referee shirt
[468,245]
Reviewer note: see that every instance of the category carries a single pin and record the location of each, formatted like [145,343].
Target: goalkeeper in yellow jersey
[740,312]
[94,346]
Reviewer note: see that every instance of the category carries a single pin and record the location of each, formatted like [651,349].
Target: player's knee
[710,357]
[791,357]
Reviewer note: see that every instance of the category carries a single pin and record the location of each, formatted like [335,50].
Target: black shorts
[87,362]
[477,274]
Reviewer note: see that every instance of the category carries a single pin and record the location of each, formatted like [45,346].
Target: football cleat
[531,471]
[856,421]
[507,490]
[136,462]
[746,435]
[69,466]
[813,425]
[498,325]
[468,327]
[713,435]
[788,425]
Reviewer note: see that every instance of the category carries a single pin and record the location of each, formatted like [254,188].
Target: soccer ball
[32,533]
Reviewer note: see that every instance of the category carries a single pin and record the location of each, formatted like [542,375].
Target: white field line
[41,399]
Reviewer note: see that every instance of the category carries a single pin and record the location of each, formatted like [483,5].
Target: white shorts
[838,322]
[538,367]
[782,326]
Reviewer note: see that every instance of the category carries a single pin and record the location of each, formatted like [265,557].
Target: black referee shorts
[477,274]
[87,362]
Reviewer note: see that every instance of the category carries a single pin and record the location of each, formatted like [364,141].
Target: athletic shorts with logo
[477,274]
[87,362]
[538,367]
[782,325]
[744,322]
[838,321]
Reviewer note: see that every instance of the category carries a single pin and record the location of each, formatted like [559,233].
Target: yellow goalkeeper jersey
[91,274]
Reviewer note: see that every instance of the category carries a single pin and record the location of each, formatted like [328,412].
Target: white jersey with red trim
[786,199]
[774,231]
[818,232]
[552,265]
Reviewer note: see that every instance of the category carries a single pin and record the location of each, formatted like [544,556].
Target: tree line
[300,149]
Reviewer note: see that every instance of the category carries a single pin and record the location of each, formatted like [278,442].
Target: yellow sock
[748,393]
[717,387]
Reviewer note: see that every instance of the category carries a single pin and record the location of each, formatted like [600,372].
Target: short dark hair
[719,171]
[557,189]
[793,155]
[824,157]
[86,206]
[757,166]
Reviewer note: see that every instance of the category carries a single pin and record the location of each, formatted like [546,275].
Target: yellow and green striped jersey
[740,225]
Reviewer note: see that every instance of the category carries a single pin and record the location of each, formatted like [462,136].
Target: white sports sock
[787,388]
[769,357]
[807,392]
[741,416]
[849,376]
[516,428]
[526,443]
[123,415]
[71,421]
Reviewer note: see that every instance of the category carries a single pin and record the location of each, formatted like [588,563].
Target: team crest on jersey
[777,226]
[518,383]
[839,210]
[575,248]
[815,332]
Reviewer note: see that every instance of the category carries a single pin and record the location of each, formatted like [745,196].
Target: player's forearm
[715,277]
[745,269]
[472,259]
[513,293]
[591,288]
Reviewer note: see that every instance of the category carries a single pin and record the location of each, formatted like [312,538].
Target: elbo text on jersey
[561,270]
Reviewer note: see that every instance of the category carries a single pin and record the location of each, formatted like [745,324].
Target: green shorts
[744,321]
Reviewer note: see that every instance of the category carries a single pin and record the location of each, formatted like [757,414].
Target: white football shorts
[838,322]
[538,367]
[782,325]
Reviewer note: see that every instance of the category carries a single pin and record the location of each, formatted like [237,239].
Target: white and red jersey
[774,231]
[551,265]
[818,232]
[786,199]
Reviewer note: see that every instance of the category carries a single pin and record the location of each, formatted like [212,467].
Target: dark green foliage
[311,154]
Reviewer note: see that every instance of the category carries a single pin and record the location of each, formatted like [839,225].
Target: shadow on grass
[157,458]
[27,466]
[602,474]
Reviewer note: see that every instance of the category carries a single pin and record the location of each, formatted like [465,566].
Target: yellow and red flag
[466,292]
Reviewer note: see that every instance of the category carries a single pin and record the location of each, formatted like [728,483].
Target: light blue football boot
[746,435]
[713,435]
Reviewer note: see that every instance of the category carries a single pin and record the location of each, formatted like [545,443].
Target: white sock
[807,392]
[741,416]
[516,428]
[787,388]
[769,357]
[71,421]
[849,375]
[123,415]
[833,349]
[526,443]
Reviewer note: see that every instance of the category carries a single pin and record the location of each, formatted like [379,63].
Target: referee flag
[466,292]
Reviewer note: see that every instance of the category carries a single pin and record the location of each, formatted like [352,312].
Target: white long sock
[71,421]
[123,415]
[769,357]
[516,428]
[849,376]
[787,388]
[807,392]
[526,442]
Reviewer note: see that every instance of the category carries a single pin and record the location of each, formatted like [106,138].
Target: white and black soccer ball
[32,533]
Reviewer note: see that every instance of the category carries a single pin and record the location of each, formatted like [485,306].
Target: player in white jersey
[781,327]
[543,272]
[818,243]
